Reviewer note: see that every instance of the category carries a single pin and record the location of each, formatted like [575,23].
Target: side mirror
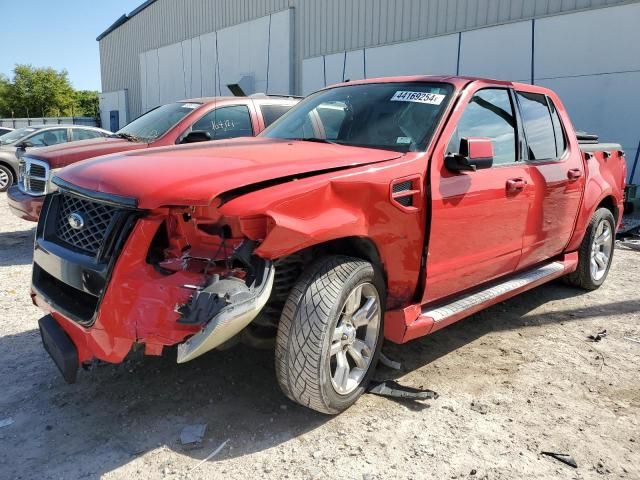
[196,136]
[24,145]
[475,153]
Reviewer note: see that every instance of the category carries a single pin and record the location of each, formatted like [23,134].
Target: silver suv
[15,143]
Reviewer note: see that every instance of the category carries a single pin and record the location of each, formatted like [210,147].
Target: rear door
[557,178]
[478,219]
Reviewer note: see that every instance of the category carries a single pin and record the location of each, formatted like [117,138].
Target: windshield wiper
[126,136]
[317,140]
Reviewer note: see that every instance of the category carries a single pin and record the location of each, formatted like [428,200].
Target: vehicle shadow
[16,248]
[511,314]
[117,412]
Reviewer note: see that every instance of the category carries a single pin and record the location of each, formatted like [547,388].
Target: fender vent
[402,186]
[406,193]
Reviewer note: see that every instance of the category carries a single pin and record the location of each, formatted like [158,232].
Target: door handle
[574,174]
[516,184]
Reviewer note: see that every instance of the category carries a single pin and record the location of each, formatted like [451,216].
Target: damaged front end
[235,284]
[225,306]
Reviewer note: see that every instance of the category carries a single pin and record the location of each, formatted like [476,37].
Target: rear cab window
[271,112]
[542,127]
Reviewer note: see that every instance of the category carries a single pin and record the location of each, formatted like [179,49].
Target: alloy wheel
[354,338]
[601,249]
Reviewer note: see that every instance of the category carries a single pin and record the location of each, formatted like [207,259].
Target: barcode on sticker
[418,97]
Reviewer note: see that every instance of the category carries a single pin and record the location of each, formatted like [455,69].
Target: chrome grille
[34,175]
[96,219]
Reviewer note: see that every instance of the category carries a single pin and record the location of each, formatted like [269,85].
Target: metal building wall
[321,26]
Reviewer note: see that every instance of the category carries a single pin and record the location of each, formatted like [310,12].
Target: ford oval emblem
[76,221]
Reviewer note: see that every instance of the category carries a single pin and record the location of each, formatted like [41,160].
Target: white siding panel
[196,68]
[172,72]
[150,80]
[432,56]
[502,52]
[601,104]
[312,75]
[208,60]
[281,53]
[594,41]
[334,65]
[355,65]
[205,65]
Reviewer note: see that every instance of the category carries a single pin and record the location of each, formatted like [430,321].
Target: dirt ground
[514,380]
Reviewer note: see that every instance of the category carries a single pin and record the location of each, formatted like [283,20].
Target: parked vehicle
[15,144]
[187,121]
[377,208]
[4,130]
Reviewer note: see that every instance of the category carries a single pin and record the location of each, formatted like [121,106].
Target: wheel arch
[5,163]
[353,246]
[608,202]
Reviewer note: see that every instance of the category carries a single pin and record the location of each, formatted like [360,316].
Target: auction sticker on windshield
[417,97]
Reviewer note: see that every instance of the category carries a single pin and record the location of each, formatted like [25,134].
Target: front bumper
[106,310]
[24,206]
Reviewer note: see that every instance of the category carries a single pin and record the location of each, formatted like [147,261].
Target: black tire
[307,324]
[583,276]
[4,170]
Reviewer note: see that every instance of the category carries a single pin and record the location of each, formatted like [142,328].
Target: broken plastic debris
[598,336]
[562,457]
[387,362]
[392,389]
[6,422]
[211,455]
[192,435]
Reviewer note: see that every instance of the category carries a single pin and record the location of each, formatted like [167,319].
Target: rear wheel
[596,252]
[330,334]
[6,178]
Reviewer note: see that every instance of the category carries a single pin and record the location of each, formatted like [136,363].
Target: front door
[478,219]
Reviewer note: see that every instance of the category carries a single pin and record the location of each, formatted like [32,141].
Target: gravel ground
[514,380]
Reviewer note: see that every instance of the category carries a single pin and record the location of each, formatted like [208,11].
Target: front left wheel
[330,334]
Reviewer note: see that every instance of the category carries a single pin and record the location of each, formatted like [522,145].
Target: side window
[48,137]
[226,122]
[561,141]
[271,113]
[332,116]
[489,114]
[82,134]
[538,126]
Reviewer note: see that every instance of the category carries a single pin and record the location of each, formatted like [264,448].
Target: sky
[59,34]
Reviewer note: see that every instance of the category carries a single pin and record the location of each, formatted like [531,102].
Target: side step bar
[421,320]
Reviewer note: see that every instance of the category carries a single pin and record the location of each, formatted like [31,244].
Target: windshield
[13,137]
[156,122]
[395,116]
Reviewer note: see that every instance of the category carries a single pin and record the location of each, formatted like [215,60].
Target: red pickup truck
[187,121]
[385,208]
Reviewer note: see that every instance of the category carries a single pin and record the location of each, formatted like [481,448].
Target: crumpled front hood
[64,154]
[193,175]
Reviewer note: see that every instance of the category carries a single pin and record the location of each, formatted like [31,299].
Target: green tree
[5,111]
[39,92]
[86,103]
